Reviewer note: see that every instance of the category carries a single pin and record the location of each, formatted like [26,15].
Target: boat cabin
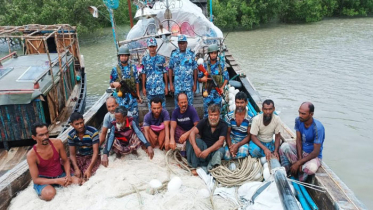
[40,79]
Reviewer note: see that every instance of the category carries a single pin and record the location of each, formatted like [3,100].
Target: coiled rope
[176,156]
[247,169]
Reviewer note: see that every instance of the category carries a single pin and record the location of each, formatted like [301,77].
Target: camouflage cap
[151,42]
[182,38]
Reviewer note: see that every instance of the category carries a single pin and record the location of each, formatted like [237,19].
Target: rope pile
[176,156]
[247,169]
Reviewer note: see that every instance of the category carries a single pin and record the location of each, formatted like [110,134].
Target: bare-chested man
[44,161]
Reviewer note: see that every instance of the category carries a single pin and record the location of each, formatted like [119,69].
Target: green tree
[302,11]
[73,12]
[232,14]
[355,7]
[330,7]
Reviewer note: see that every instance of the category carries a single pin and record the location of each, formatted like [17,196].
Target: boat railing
[11,55]
[135,39]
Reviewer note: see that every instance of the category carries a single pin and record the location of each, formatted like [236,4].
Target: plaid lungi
[83,163]
[124,148]
[289,155]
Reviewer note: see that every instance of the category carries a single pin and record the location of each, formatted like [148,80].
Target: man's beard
[267,119]
[45,142]
[119,125]
[184,108]
[240,109]
[213,122]
[303,119]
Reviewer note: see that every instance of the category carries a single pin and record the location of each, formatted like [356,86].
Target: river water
[329,63]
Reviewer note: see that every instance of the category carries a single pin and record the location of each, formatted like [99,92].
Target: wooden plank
[9,125]
[20,121]
[65,113]
[233,63]
[51,105]
[12,182]
[340,194]
[25,121]
[12,157]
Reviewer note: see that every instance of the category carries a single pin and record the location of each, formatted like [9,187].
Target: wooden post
[7,40]
[61,67]
[130,12]
[51,72]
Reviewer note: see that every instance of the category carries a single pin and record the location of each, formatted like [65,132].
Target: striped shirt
[84,146]
[238,133]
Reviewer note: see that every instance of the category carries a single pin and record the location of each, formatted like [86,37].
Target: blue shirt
[153,68]
[84,145]
[183,66]
[315,134]
[238,133]
[126,70]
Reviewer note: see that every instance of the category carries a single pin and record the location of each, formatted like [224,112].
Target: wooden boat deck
[9,159]
[337,196]
[18,177]
[56,128]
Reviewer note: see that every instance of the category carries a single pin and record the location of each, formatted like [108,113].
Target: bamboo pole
[53,84]
[7,40]
[130,12]
[62,81]
[33,47]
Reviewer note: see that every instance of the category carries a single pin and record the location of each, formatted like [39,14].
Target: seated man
[239,123]
[303,157]
[44,161]
[125,137]
[111,105]
[204,152]
[157,124]
[183,119]
[84,147]
[262,129]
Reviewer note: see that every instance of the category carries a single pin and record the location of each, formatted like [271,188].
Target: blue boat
[164,22]
[42,79]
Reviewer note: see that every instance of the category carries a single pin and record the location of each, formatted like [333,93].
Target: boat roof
[19,74]
[184,18]
[46,48]
[35,31]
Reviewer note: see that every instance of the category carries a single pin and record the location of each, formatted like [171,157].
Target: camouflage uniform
[153,68]
[213,97]
[183,66]
[127,100]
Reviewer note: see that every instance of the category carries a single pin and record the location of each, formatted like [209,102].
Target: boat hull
[18,178]
[337,196]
